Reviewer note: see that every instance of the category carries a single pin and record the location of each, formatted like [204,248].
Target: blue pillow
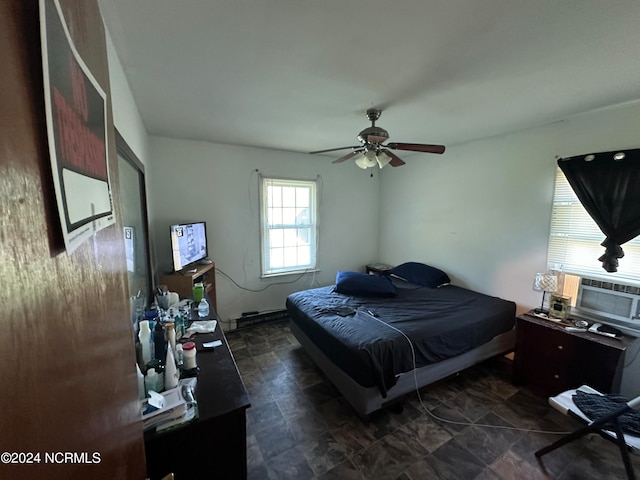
[363,284]
[420,274]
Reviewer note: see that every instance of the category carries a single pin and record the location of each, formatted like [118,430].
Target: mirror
[136,228]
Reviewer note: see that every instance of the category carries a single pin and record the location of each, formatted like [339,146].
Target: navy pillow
[363,284]
[420,274]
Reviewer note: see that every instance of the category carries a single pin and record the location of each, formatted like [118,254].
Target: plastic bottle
[159,344]
[144,335]
[189,355]
[141,390]
[151,381]
[158,367]
[171,375]
[179,356]
[203,308]
[171,335]
[180,325]
[198,291]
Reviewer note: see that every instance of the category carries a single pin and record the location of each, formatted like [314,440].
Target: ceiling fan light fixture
[360,162]
[383,159]
[364,162]
[368,160]
[372,143]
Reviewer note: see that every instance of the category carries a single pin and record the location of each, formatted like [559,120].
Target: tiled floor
[299,427]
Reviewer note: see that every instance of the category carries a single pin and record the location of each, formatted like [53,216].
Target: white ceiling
[298,75]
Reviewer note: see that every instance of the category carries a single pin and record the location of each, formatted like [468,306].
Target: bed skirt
[366,400]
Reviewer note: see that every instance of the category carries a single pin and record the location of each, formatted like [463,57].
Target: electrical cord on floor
[454,422]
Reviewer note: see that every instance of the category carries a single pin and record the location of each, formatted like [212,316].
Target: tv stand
[183,280]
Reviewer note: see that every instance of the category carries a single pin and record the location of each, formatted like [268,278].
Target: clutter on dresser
[171,408]
[159,336]
[165,381]
[165,343]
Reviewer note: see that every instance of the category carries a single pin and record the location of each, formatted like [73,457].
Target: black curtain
[608,186]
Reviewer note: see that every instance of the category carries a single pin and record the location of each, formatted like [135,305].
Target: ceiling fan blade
[417,147]
[395,160]
[347,156]
[334,149]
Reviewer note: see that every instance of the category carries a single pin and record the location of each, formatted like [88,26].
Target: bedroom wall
[193,181]
[481,211]
[126,116]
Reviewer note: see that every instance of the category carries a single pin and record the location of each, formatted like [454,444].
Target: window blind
[574,240]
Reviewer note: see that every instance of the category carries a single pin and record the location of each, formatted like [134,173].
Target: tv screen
[188,243]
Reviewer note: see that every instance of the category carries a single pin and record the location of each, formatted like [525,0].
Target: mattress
[375,339]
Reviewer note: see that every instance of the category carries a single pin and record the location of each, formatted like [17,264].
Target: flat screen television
[188,243]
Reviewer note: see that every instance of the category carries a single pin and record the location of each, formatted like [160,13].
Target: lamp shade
[368,160]
[383,159]
[545,282]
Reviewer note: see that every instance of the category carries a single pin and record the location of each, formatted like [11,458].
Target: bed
[375,337]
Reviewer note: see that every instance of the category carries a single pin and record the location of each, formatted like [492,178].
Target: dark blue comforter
[373,349]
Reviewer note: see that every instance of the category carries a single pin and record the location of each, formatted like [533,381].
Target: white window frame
[574,240]
[288,236]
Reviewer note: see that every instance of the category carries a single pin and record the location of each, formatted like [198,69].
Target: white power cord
[433,415]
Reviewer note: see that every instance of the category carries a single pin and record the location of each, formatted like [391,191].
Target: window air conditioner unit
[609,300]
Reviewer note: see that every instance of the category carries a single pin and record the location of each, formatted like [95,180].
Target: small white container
[189,356]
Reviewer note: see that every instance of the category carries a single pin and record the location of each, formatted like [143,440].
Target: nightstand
[377,268]
[551,360]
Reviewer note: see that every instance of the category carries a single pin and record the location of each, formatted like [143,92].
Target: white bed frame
[366,400]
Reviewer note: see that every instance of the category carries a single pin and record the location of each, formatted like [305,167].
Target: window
[574,240]
[289,225]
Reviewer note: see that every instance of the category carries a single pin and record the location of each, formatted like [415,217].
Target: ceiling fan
[372,150]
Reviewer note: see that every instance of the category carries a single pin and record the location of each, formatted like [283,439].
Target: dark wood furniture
[215,442]
[377,268]
[182,282]
[551,360]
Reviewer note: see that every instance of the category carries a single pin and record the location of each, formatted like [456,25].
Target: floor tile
[300,427]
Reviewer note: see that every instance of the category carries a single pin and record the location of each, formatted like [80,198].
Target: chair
[625,441]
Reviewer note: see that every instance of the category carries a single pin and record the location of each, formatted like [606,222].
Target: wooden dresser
[551,360]
[216,441]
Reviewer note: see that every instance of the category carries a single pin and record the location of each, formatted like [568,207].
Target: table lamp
[544,282]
